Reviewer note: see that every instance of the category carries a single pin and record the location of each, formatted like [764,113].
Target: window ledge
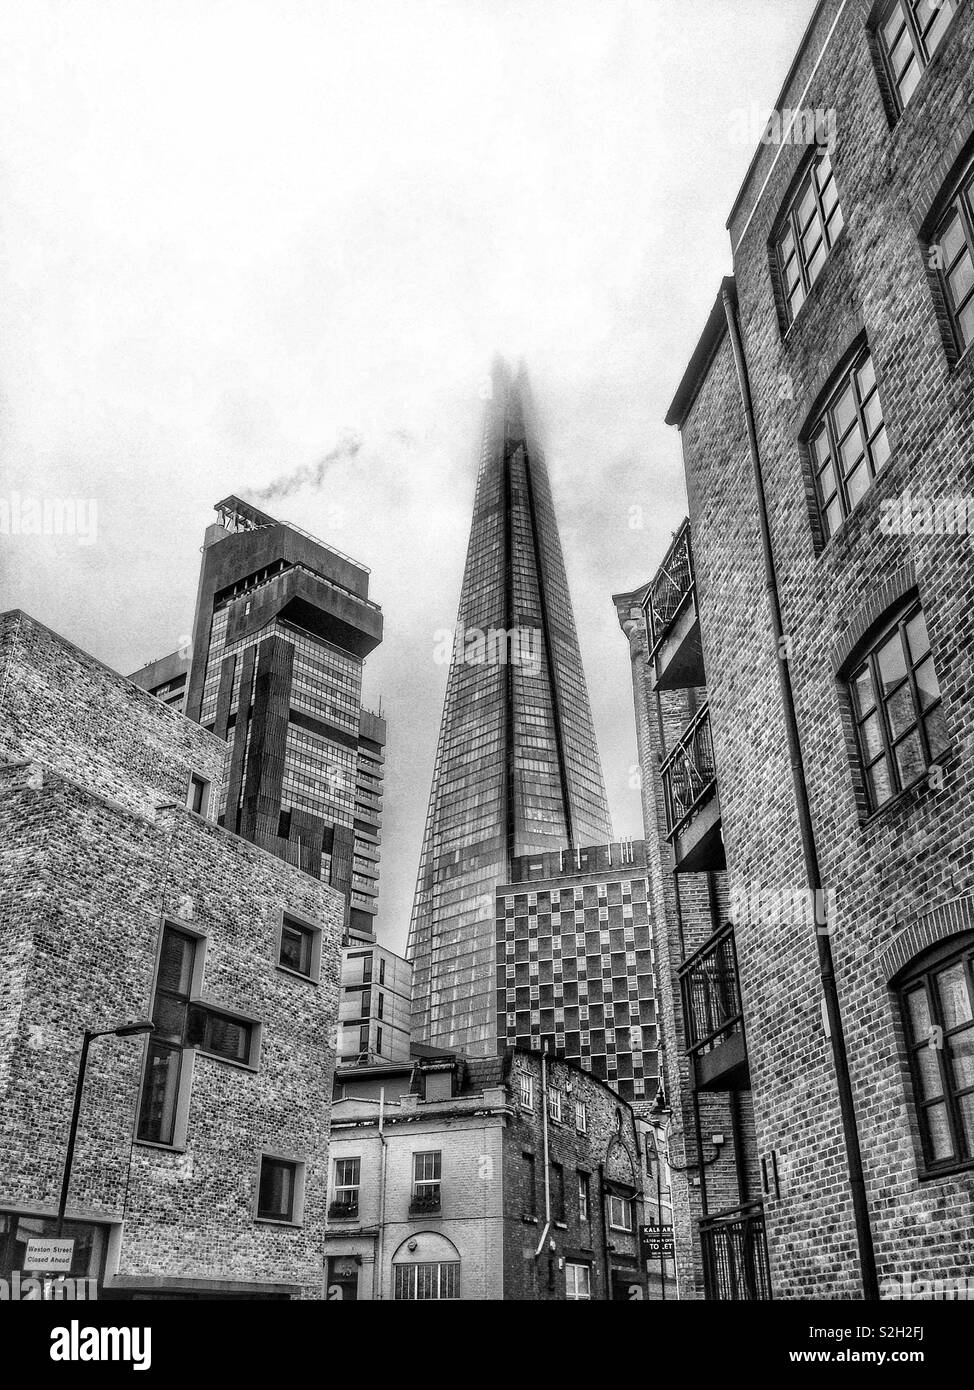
[278,1221]
[298,975]
[162,1148]
[963,363]
[951,1170]
[226,1061]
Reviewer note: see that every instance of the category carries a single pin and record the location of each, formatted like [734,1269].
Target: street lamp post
[125,1030]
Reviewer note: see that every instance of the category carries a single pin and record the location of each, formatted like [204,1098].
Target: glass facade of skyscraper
[517,768]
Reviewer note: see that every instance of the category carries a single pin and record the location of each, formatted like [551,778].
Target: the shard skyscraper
[517,769]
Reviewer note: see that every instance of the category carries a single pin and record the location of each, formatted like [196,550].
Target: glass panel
[160,1090]
[872,739]
[918,1012]
[872,413]
[169,1017]
[908,82]
[852,450]
[227,1037]
[928,1072]
[835,224]
[893,26]
[966,1106]
[296,949]
[938,736]
[862,690]
[960,279]
[961,1050]
[817,261]
[951,239]
[806,207]
[844,410]
[858,484]
[941,17]
[826,481]
[938,1133]
[902,53]
[176,962]
[828,194]
[797,300]
[833,517]
[276,1189]
[867,377]
[900,710]
[910,759]
[927,683]
[880,449]
[820,447]
[955,999]
[891,662]
[787,246]
[965,323]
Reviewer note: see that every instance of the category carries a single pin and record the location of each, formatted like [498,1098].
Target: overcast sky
[237,239]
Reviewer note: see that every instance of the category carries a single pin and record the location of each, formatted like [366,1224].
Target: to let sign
[49,1256]
[657,1242]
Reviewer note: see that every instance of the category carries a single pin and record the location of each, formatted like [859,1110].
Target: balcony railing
[344,1209]
[735,1254]
[670,589]
[711,993]
[689,775]
[424,1203]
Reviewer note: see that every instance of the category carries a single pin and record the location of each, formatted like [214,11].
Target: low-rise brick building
[201,1159]
[819,637]
[514,1177]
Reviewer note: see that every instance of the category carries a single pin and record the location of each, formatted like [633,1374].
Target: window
[847,442]
[347,1179]
[558,1191]
[427,1171]
[367,969]
[220,1035]
[170,1010]
[583,1199]
[937,999]
[530,1187]
[525,1084]
[581,1117]
[954,243]
[277,1194]
[812,221]
[578,1281]
[199,794]
[620,1213]
[554,1103]
[380,1007]
[900,726]
[378,1040]
[297,947]
[428,1281]
[909,35]
[382,971]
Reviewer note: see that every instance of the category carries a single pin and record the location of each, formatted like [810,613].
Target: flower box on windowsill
[424,1206]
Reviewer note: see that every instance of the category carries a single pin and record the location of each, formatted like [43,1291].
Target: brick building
[514,1177]
[575,962]
[200,1168]
[819,636]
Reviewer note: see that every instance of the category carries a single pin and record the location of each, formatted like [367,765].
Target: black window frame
[347,1204]
[168,1043]
[199,1033]
[788,225]
[307,935]
[268,1161]
[823,421]
[922,974]
[922,55]
[867,659]
[959,205]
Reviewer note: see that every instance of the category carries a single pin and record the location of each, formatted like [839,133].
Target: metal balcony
[672,622]
[735,1254]
[713,1017]
[692,807]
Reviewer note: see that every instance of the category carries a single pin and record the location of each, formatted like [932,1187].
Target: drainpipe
[857,1183]
[377,1276]
[607,1271]
[544,1131]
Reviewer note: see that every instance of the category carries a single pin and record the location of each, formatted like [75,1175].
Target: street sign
[657,1242]
[49,1256]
